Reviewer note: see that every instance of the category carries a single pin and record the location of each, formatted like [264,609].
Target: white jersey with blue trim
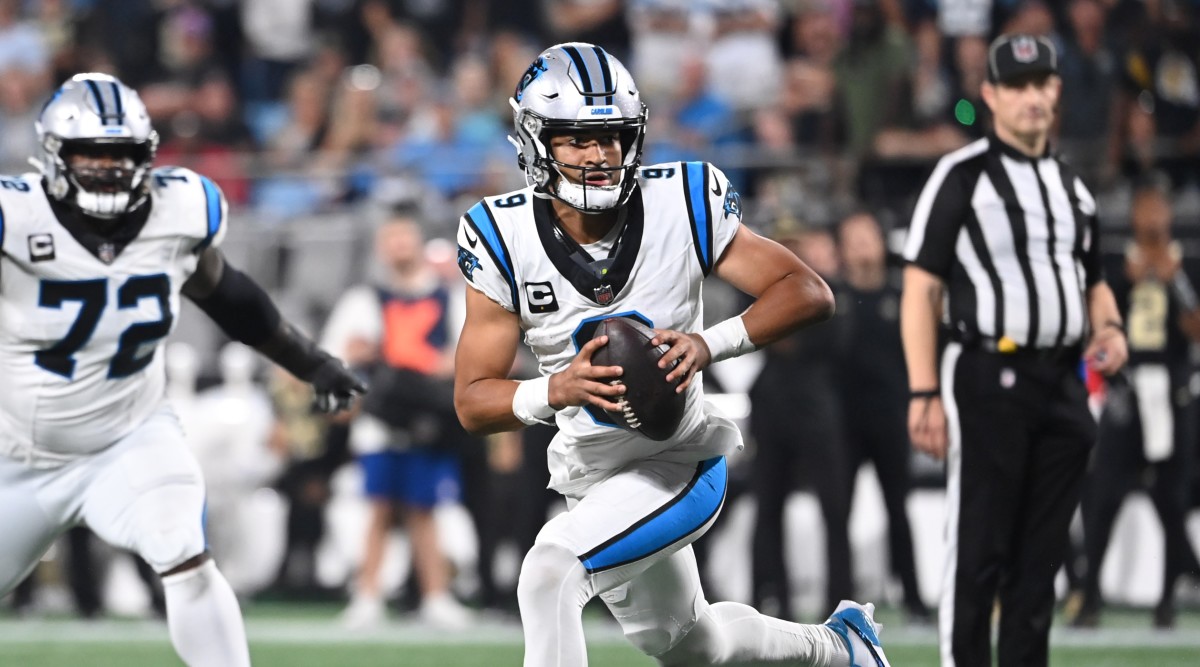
[80,329]
[678,222]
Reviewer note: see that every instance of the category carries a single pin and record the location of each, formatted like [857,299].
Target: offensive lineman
[594,235]
[94,254]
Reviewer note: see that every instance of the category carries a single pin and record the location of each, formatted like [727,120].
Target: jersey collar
[572,261]
[104,245]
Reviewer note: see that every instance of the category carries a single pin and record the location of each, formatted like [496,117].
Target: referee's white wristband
[727,339]
[531,403]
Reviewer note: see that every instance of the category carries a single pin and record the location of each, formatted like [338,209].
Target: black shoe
[1088,616]
[916,613]
[1164,615]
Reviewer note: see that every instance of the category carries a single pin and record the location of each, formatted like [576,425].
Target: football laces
[631,417]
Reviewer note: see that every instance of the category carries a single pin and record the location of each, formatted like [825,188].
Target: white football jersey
[679,221]
[80,330]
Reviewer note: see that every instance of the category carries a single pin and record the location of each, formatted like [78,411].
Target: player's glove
[335,386]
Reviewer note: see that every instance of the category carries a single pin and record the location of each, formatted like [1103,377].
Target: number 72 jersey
[81,321]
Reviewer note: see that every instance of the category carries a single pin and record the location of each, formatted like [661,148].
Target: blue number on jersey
[136,349]
[161,180]
[92,295]
[657,172]
[509,202]
[13,184]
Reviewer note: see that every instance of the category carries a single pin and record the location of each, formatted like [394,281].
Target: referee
[1005,235]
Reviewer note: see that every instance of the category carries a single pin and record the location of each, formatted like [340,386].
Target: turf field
[308,636]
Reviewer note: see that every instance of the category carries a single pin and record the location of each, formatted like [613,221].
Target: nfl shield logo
[107,252]
[604,294]
[1025,49]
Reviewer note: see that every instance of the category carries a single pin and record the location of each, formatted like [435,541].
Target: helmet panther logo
[535,70]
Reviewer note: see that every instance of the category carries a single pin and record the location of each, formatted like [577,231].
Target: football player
[95,251]
[595,235]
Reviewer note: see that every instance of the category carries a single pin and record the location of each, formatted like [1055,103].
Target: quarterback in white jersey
[593,236]
[95,251]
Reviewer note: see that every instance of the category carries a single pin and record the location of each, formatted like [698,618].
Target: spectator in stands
[279,38]
[185,60]
[1089,71]
[405,439]
[924,125]
[1148,427]
[797,431]
[448,156]
[505,17]
[776,184]
[346,160]
[307,122]
[810,83]
[926,121]
[24,80]
[873,381]
[699,121]
[24,53]
[1029,17]
[291,151]
[663,40]
[438,24]
[593,21]
[1161,92]
[208,134]
[745,67]
[872,67]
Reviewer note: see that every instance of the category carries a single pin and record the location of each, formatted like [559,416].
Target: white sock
[728,633]
[552,590]
[204,619]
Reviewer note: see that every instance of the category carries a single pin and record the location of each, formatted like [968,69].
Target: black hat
[1011,56]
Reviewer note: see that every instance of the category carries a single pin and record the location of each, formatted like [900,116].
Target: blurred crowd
[811,106]
[827,115]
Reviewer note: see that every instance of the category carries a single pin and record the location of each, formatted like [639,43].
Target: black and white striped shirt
[1015,239]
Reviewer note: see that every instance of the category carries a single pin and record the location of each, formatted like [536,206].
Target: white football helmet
[576,87]
[96,115]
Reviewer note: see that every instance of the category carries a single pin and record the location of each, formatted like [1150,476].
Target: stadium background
[316,117]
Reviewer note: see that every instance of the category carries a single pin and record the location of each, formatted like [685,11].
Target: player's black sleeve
[244,311]
[231,299]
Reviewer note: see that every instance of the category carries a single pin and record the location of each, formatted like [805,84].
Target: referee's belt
[1007,346]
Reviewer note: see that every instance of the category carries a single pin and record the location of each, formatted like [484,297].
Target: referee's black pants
[1020,433]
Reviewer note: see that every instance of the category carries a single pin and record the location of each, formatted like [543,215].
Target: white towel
[1152,385]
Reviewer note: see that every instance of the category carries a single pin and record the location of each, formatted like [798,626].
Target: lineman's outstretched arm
[487,348]
[244,311]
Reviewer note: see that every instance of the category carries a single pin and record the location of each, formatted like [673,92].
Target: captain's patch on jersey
[41,247]
[540,297]
[467,262]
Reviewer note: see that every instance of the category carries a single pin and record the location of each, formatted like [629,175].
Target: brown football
[651,405]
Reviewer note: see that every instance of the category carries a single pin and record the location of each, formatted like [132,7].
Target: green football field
[309,636]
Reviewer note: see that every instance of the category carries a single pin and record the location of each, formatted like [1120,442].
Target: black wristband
[1114,324]
[926,393]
